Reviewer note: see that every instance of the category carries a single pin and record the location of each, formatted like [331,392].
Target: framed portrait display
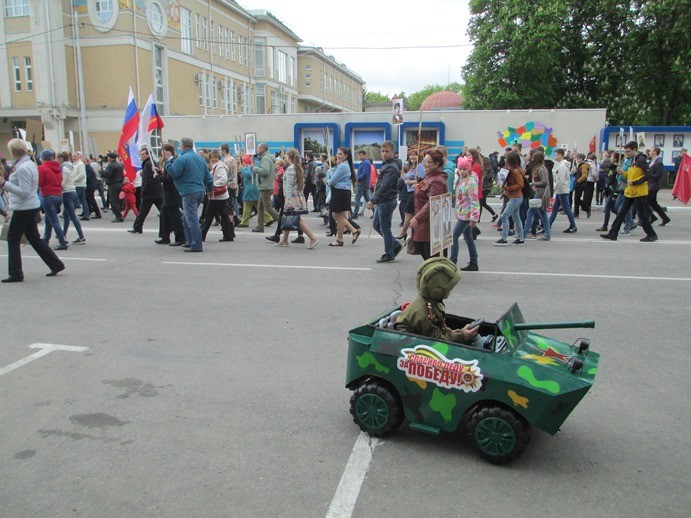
[251,143]
[659,140]
[367,137]
[676,154]
[317,138]
[441,223]
[678,140]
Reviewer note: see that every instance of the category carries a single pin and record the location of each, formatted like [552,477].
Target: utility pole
[80,83]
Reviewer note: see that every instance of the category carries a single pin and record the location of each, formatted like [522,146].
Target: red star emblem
[551,353]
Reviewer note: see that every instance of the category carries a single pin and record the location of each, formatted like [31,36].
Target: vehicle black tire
[498,434]
[376,408]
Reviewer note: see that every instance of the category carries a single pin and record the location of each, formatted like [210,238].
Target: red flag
[682,184]
[592,147]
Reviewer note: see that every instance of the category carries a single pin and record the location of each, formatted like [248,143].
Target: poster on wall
[369,141]
[440,221]
[423,141]
[317,140]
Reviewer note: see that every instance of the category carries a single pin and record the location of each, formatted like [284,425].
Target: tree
[632,57]
[375,97]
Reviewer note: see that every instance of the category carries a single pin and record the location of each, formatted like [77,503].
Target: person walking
[151,194]
[295,202]
[114,174]
[191,177]
[265,172]
[50,183]
[22,187]
[384,200]
[341,191]
[513,190]
[69,199]
[540,184]
[217,206]
[562,190]
[171,215]
[467,209]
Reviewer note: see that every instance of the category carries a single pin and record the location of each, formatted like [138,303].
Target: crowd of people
[231,190]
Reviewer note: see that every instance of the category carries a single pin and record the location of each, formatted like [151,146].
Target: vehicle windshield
[512,338]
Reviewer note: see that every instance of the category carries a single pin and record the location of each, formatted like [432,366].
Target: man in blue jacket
[385,197]
[192,179]
[363,179]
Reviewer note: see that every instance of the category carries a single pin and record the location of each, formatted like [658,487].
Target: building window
[291,72]
[159,79]
[271,63]
[221,41]
[261,99]
[242,50]
[308,67]
[28,75]
[185,30]
[213,37]
[205,32]
[104,10]
[232,46]
[308,85]
[234,97]
[226,34]
[198,27]
[154,15]
[17,75]
[16,8]
[259,44]
[308,76]
[155,142]
[282,67]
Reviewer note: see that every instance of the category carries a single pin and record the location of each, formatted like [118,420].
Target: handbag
[290,221]
[5,231]
[219,191]
[534,203]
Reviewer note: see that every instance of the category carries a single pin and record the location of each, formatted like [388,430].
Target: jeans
[513,208]
[24,222]
[190,209]
[362,190]
[628,219]
[69,214]
[543,216]
[81,195]
[562,201]
[641,205]
[382,224]
[463,228]
[51,221]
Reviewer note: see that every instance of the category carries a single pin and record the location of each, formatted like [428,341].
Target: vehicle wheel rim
[372,411]
[495,436]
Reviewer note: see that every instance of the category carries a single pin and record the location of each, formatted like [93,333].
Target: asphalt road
[213,384]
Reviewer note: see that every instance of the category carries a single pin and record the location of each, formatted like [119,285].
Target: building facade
[70,64]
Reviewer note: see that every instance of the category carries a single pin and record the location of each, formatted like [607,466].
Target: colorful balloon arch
[530,135]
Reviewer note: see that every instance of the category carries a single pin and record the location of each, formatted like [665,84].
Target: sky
[360,34]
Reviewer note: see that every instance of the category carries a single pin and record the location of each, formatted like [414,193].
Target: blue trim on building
[607,131]
[350,126]
[335,131]
[427,125]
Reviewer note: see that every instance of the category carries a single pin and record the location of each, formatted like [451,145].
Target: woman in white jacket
[295,203]
[218,199]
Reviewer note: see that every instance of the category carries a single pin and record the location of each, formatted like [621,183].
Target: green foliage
[376,97]
[632,57]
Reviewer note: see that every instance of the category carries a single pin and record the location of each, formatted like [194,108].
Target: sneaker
[626,233]
[470,267]
[79,241]
[354,216]
[544,238]
[386,258]
[494,218]
[61,247]
[518,242]
[274,238]
[531,236]
[299,239]
[649,239]
[571,230]
[511,233]
[501,242]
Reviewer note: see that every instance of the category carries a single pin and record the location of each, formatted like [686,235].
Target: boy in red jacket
[128,197]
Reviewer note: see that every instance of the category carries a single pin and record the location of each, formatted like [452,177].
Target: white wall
[471,128]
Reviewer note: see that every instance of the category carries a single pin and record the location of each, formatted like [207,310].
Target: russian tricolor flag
[150,120]
[127,145]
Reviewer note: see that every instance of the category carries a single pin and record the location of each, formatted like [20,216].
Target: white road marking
[624,277]
[43,350]
[271,266]
[344,500]
[62,258]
